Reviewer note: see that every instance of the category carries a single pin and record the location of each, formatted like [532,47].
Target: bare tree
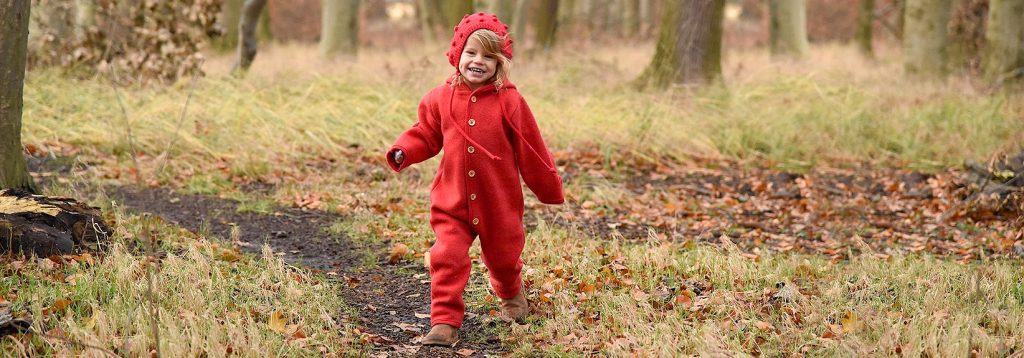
[925,37]
[788,27]
[545,24]
[339,34]
[247,35]
[689,48]
[865,21]
[631,19]
[1004,40]
[14,17]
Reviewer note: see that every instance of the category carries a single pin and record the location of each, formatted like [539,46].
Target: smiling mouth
[476,70]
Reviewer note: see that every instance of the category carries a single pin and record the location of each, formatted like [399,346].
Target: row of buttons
[471,150]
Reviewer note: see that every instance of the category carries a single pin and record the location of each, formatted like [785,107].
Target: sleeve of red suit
[422,141]
[533,158]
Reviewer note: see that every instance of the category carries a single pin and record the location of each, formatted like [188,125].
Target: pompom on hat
[475,22]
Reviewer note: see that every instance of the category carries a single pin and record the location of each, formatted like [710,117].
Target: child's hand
[398,156]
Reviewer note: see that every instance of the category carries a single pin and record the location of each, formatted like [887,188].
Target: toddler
[489,138]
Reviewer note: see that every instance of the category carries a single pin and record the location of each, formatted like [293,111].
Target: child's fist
[398,156]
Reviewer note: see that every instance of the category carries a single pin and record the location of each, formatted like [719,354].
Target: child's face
[476,65]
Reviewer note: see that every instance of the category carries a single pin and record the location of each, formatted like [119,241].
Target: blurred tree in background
[340,28]
[924,36]
[14,19]
[788,28]
[689,45]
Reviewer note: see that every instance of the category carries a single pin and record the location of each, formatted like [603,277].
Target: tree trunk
[454,10]
[631,21]
[689,44]
[788,28]
[339,34]
[1004,39]
[865,21]
[14,17]
[247,35]
[924,36]
[44,226]
[519,20]
[263,30]
[86,16]
[545,24]
[230,16]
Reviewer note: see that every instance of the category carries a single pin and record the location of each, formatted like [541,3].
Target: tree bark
[925,37]
[230,17]
[865,21]
[86,16]
[689,44]
[545,24]
[631,19]
[454,10]
[14,18]
[519,19]
[1004,40]
[247,35]
[788,28]
[46,226]
[340,28]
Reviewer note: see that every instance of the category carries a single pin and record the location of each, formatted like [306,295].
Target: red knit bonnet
[475,22]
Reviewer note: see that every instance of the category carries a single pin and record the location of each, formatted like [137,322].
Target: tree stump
[47,226]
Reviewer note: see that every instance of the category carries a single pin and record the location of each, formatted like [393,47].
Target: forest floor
[752,213]
[805,208]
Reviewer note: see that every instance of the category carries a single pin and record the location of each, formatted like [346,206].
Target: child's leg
[449,268]
[501,253]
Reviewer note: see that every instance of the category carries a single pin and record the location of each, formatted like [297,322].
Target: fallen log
[47,226]
[995,187]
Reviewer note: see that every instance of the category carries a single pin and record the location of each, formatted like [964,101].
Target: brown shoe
[441,335]
[516,308]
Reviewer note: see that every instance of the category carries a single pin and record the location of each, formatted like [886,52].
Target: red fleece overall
[489,138]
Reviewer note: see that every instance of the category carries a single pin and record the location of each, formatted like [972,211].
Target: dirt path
[386,299]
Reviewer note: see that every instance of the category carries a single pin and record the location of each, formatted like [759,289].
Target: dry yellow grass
[297,109]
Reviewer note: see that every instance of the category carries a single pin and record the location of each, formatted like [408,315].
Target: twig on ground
[177,126]
[127,125]
[154,319]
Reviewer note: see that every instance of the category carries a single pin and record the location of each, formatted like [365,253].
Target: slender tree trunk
[247,35]
[339,34]
[648,19]
[925,37]
[86,15]
[631,19]
[230,16]
[454,10]
[1004,40]
[689,44]
[14,18]
[788,28]
[865,21]
[545,24]
[519,20]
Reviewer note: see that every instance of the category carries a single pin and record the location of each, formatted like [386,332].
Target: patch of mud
[387,297]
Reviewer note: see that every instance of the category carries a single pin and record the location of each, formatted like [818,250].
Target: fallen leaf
[397,251]
[422,315]
[426,259]
[851,322]
[277,322]
[465,352]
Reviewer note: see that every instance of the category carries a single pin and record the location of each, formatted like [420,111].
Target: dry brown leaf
[398,250]
[277,322]
[465,352]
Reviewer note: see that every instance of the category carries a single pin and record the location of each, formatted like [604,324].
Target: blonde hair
[491,44]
